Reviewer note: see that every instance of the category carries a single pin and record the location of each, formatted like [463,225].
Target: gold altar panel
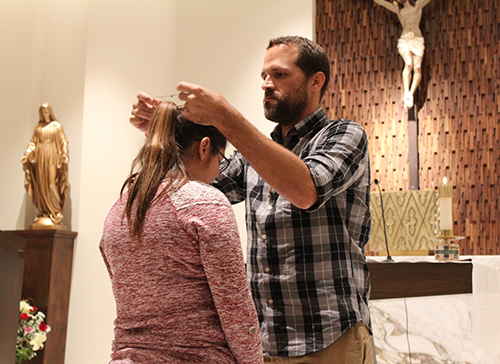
[458,106]
[411,221]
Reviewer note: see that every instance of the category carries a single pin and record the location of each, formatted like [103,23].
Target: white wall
[89,58]
[42,59]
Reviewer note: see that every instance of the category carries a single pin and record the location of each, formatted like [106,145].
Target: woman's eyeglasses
[224,162]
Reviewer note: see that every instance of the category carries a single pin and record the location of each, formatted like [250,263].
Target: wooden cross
[413,145]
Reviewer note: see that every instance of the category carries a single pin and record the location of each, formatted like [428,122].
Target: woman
[172,250]
[45,163]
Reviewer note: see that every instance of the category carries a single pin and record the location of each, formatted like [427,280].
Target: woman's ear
[204,149]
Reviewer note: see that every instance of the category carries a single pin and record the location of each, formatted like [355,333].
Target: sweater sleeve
[215,226]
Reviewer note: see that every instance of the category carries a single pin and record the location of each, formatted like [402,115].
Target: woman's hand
[142,110]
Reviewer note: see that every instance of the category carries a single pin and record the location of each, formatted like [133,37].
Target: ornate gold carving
[411,221]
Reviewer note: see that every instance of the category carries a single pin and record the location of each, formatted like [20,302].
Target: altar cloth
[486,306]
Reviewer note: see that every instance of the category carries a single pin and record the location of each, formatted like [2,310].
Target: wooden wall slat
[458,101]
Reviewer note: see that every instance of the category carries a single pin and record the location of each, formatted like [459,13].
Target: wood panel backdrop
[458,102]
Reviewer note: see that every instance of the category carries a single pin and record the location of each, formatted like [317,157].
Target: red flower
[33,309]
[24,316]
[43,327]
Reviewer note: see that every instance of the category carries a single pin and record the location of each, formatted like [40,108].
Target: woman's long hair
[160,159]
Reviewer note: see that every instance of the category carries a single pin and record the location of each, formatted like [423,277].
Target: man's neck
[308,111]
[286,129]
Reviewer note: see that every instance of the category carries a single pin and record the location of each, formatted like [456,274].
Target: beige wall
[89,58]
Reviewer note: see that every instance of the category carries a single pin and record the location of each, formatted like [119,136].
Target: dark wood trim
[47,281]
[406,279]
[413,159]
[11,281]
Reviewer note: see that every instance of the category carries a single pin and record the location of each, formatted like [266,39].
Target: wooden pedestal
[11,281]
[47,279]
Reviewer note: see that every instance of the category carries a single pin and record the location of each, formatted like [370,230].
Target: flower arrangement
[31,332]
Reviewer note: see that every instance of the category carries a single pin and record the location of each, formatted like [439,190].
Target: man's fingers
[189,90]
[185,87]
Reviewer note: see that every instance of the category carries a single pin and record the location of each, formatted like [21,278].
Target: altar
[454,317]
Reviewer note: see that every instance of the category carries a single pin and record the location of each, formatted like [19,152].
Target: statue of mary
[45,163]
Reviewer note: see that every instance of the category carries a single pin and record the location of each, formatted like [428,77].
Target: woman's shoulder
[197,192]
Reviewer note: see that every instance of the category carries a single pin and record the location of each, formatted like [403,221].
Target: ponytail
[160,159]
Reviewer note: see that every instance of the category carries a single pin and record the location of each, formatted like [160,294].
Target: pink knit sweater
[181,295]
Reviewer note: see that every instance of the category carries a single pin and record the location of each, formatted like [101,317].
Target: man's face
[285,85]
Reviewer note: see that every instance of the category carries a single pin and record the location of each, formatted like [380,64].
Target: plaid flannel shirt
[306,268]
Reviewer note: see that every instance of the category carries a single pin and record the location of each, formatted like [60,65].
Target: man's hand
[204,106]
[279,167]
[142,111]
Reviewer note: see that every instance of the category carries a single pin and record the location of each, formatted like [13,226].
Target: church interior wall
[456,102]
[89,59]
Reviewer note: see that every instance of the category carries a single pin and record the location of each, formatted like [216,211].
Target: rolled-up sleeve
[337,160]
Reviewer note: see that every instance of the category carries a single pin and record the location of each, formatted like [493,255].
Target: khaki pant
[353,347]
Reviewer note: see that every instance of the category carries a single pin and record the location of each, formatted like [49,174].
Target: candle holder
[445,249]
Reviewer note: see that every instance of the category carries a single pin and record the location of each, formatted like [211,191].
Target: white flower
[24,307]
[38,340]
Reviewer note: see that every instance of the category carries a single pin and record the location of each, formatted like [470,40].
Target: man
[307,207]
[410,44]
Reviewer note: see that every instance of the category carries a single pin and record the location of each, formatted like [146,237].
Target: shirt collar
[298,130]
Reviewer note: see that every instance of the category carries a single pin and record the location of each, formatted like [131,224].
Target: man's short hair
[311,58]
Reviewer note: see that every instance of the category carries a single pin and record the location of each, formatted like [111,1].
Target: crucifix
[411,48]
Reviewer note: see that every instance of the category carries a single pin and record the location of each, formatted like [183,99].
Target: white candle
[445,206]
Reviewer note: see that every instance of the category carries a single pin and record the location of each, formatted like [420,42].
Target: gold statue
[410,44]
[45,164]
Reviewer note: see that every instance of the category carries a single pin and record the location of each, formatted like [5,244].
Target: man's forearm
[286,173]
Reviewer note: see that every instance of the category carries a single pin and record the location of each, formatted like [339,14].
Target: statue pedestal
[45,223]
[48,260]
[11,281]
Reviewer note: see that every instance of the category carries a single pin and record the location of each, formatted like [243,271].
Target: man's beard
[288,108]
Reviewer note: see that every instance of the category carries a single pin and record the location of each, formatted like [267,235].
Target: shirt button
[269,207]
[264,237]
[252,330]
[267,270]
[270,301]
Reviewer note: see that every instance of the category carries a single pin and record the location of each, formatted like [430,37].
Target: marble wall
[458,329]
[433,329]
